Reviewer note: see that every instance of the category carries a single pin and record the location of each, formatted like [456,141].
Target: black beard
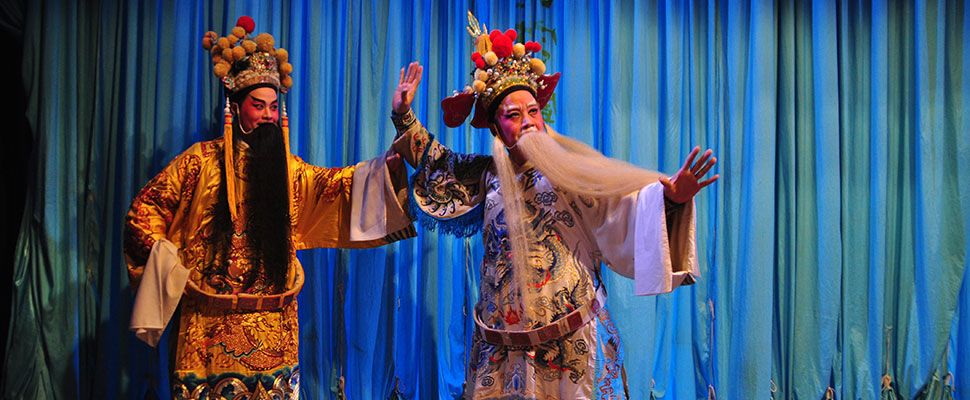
[267,202]
[267,208]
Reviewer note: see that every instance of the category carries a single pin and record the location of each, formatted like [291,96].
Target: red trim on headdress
[456,108]
[550,82]
[480,120]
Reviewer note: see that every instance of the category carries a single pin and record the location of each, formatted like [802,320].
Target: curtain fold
[833,248]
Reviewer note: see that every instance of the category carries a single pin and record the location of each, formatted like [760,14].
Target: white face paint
[517,115]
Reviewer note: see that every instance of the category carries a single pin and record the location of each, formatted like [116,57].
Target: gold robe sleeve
[321,207]
[155,210]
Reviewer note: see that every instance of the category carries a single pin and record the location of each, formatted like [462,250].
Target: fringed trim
[462,226]
[465,225]
[228,146]
[285,127]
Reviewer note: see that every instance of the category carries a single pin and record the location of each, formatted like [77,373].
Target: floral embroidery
[327,179]
[447,191]
[159,197]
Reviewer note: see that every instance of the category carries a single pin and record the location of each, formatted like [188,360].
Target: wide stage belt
[555,330]
[247,302]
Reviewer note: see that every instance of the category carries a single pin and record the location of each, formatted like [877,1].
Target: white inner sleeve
[375,211]
[664,255]
[159,293]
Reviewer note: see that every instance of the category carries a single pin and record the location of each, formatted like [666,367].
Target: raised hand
[687,181]
[406,86]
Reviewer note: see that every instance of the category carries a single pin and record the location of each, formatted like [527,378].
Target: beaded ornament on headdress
[500,65]
[500,62]
[239,45]
[257,62]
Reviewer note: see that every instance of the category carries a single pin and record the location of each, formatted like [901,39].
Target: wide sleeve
[159,292]
[447,190]
[643,237]
[322,206]
[154,209]
[379,198]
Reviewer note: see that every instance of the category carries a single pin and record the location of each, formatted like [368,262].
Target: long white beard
[520,234]
[576,167]
[569,165]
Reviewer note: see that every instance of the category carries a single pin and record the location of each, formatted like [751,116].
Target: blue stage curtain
[833,248]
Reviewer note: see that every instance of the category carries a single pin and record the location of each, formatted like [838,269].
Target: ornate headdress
[244,62]
[501,67]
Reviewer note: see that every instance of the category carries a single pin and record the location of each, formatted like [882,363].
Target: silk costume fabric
[460,194]
[222,352]
[161,288]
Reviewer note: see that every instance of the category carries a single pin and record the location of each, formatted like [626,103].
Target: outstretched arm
[650,235]
[447,188]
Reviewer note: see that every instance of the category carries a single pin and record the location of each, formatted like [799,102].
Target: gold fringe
[285,125]
[228,146]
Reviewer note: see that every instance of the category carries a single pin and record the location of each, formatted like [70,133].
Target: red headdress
[502,67]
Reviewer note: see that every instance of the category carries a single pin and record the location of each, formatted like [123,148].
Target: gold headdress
[502,66]
[244,62]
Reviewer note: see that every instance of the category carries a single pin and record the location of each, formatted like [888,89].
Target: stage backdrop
[833,248]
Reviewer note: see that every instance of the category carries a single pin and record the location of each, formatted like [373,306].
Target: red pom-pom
[494,34]
[537,47]
[502,46]
[480,63]
[476,56]
[530,46]
[511,34]
[246,23]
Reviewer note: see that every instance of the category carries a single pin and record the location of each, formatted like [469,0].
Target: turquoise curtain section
[833,248]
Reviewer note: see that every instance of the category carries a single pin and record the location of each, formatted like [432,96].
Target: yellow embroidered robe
[217,348]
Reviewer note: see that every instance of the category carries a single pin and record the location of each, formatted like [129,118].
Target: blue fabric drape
[833,248]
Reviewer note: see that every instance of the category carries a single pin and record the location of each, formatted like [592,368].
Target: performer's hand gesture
[686,182]
[406,86]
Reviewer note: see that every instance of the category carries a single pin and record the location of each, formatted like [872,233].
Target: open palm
[406,86]
[687,181]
